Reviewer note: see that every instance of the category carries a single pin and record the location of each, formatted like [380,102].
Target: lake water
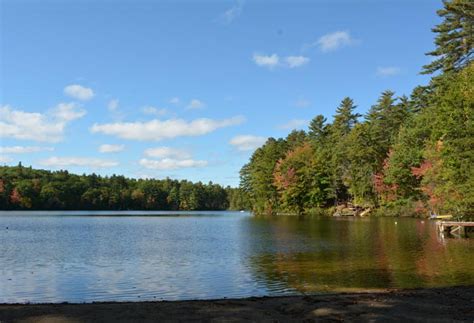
[116,256]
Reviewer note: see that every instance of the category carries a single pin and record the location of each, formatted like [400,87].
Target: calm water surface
[114,256]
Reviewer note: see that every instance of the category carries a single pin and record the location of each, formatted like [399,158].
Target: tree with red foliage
[386,191]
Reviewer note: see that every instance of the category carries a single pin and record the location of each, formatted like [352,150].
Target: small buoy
[7,228]
[422,221]
[396,222]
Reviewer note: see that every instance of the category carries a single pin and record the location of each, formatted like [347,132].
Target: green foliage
[238,199]
[257,176]
[370,143]
[453,129]
[27,188]
[298,181]
[361,155]
[336,148]
[455,39]
[318,129]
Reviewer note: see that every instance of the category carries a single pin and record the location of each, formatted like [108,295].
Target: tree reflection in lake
[337,254]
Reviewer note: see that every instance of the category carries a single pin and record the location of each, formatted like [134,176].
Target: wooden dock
[454,227]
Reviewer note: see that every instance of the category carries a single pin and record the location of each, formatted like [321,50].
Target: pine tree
[344,120]
[455,39]
[318,128]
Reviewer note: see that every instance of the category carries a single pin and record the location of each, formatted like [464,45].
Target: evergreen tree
[344,120]
[455,39]
[318,129]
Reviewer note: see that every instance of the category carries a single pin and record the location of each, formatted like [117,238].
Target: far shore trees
[24,188]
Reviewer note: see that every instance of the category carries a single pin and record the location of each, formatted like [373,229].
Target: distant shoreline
[125,211]
[444,304]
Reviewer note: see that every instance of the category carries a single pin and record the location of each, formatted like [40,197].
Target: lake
[136,256]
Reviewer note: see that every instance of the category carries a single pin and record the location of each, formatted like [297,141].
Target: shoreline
[425,304]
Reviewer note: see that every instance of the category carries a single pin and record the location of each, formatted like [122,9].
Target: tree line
[25,188]
[407,155]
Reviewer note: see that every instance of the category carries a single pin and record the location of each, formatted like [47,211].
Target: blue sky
[188,89]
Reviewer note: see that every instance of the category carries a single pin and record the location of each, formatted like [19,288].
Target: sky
[189,89]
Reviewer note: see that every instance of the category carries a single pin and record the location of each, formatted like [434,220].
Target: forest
[408,155]
[24,188]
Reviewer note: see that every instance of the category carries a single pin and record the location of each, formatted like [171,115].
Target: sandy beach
[433,305]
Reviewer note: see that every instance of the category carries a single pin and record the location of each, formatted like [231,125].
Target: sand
[430,305]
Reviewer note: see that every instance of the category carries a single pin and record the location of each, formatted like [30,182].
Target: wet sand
[433,305]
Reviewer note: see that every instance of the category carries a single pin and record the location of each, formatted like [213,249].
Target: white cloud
[302,103]
[106,148]
[79,92]
[175,100]
[272,61]
[388,71]
[232,13]
[195,104]
[28,125]
[294,124]
[37,126]
[167,152]
[154,111]
[247,142]
[24,149]
[5,159]
[333,41]
[296,61]
[78,161]
[113,105]
[68,111]
[269,61]
[170,163]
[158,130]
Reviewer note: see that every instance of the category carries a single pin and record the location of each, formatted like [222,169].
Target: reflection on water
[79,257]
[341,254]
